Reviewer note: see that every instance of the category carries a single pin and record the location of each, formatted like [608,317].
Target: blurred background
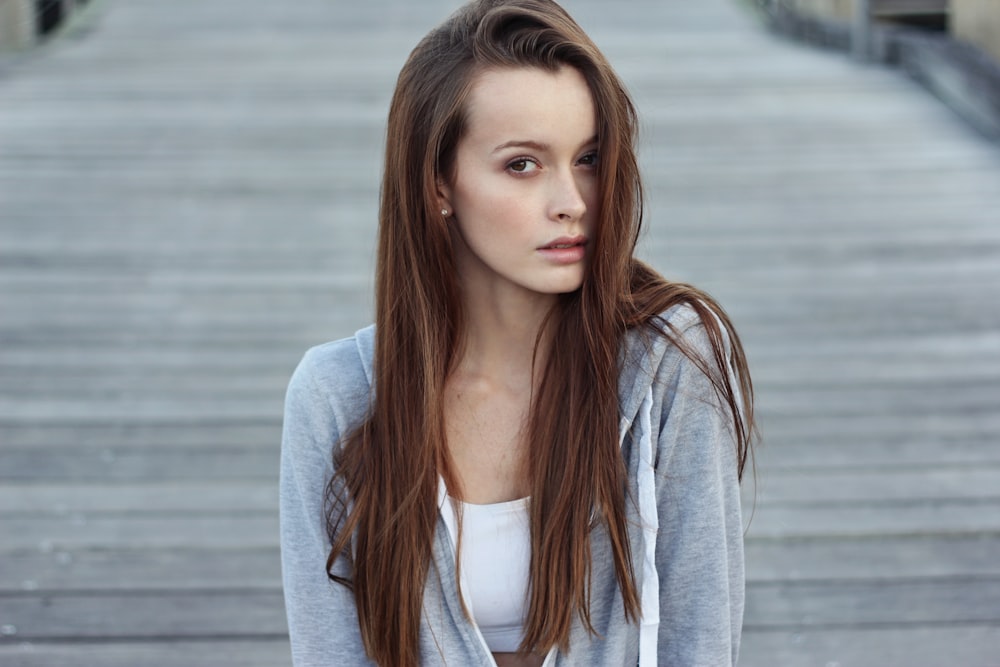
[188,200]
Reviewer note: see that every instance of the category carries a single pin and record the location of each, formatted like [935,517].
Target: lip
[565,249]
[565,241]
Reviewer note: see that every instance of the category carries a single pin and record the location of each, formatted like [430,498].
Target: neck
[500,338]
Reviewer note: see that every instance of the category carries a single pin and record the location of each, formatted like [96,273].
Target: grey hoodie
[686,530]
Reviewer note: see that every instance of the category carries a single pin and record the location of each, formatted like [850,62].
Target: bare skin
[515,660]
[486,402]
[525,182]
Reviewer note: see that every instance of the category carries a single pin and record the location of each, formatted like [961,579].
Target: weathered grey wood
[152,435]
[252,530]
[881,557]
[910,517]
[920,646]
[894,603]
[18,28]
[246,652]
[188,193]
[917,451]
[908,7]
[163,497]
[861,29]
[201,568]
[150,615]
[819,487]
[110,464]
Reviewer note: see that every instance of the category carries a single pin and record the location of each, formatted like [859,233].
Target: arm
[699,550]
[322,620]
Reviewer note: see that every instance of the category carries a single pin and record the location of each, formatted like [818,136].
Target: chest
[486,440]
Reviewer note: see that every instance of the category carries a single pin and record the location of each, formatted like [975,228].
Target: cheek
[487,198]
[473,195]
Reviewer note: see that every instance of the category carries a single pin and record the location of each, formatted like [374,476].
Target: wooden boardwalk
[187,201]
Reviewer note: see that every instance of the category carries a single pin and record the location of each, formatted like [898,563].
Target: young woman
[534,455]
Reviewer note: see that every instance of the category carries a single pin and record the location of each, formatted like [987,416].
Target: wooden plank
[919,646]
[817,487]
[112,569]
[836,452]
[135,409]
[150,434]
[847,428]
[880,557]
[114,464]
[244,652]
[979,396]
[223,159]
[163,497]
[890,8]
[892,603]
[251,530]
[848,521]
[144,615]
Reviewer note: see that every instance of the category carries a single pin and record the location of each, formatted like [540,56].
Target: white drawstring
[646,482]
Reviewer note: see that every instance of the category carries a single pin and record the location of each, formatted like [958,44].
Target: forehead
[530,103]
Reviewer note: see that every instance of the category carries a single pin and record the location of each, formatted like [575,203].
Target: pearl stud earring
[444,212]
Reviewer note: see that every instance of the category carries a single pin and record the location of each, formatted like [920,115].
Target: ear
[444,195]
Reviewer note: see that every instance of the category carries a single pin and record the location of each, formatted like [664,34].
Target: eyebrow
[535,145]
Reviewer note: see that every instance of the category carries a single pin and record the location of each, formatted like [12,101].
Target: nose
[567,203]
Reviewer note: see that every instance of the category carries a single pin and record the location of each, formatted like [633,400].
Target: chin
[567,288]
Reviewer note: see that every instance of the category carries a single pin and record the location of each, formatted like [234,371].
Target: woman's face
[524,192]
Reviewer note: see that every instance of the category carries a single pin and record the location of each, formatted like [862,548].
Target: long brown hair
[382,502]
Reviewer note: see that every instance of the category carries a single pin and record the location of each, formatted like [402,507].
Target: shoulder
[658,341]
[345,361]
[334,379]
[675,347]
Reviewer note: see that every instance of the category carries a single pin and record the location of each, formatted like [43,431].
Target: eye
[589,160]
[522,165]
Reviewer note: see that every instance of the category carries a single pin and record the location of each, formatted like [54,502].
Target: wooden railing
[865,11]
[890,8]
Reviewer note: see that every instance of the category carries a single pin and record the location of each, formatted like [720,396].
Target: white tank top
[496,551]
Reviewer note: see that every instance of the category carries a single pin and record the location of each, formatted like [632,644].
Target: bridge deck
[188,196]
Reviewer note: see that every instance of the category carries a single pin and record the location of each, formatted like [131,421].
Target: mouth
[565,251]
[565,242]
